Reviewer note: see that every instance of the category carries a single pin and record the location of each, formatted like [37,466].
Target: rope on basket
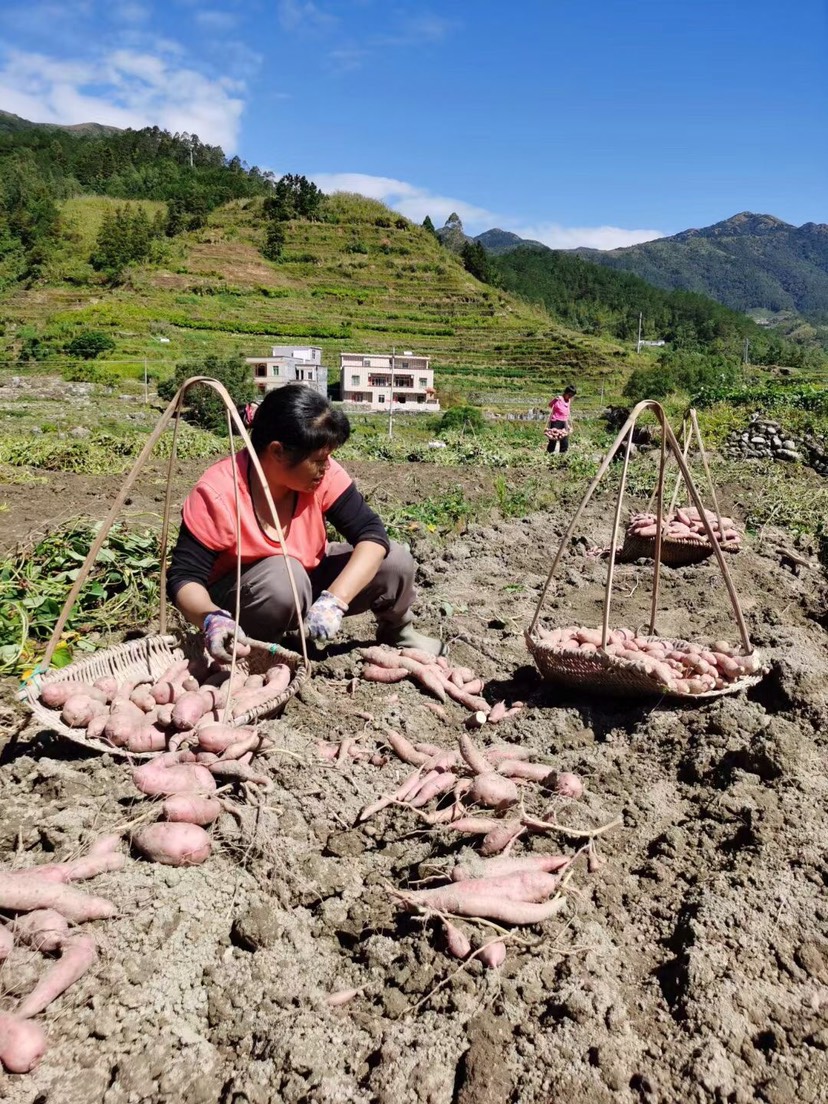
[668,438]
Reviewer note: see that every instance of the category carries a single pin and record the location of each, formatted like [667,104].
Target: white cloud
[125,88]
[411,200]
[592,237]
[415,202]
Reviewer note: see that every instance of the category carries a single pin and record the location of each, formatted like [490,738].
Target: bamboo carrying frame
[687,550]
[147,657]
[599,671]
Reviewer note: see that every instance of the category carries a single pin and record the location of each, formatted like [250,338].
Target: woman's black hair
[301,420]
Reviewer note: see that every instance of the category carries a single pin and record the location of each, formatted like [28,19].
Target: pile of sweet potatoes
[439,678]
[684,668]
[42,905]
[481,795]
[686,525]
[150,715]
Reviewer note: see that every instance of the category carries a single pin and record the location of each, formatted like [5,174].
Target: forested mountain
[599,300]
[42,165]
[747,262]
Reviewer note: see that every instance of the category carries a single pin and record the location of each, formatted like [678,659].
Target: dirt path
[692,967]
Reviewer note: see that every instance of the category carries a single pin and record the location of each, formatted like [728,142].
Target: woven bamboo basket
[147,657]
[674,553]
[600,673]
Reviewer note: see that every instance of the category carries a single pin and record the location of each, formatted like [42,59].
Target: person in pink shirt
[294,433]
[560,418]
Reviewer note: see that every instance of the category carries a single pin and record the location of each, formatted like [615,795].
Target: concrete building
[290,364]
[372,381]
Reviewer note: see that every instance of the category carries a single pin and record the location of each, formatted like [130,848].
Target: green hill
[360,278]
[10,123]
[748,262]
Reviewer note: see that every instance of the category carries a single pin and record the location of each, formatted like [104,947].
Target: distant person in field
[560,420]
[294,433]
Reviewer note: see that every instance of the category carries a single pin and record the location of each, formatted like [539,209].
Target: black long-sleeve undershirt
[350,515]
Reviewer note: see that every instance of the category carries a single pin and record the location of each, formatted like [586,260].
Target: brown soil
[692,967]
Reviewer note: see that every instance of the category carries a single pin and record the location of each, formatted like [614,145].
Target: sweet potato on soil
[21,894]
[190,809]
[22,1044]
[173,843]
[78,952]
[493,791]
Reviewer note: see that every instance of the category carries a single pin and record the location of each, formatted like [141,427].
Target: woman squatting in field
[294,434]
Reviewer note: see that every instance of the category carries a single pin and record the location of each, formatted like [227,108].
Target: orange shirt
[209,513]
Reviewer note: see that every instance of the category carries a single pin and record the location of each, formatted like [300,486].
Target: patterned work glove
[325,616]
[219,629]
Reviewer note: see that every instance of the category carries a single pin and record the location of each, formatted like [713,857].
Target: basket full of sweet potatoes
[149,695]
[684,538]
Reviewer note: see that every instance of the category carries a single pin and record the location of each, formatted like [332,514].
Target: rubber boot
[406,636]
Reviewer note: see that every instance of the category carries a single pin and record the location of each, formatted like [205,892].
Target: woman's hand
[219,630]
[324,618]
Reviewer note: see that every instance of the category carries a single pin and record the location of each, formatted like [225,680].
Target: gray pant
[267,606]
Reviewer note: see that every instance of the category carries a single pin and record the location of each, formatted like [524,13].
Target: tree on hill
[293,197]
[476,262]
[125,237]
[429,225]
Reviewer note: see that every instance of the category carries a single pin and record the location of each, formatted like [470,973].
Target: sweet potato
[493,791]
[249,700]
[6,942]
[217,737]
[439,784]
[174,772]
[473,756]
[372,672]
[75,870]
[189,709]
[173,843]
[493,954]
[278,677]
[500,865]
[569,785]
[191,809]
[78,952]
[404,749]
[502,836]
[497,712]
[457,942]
[520,885]
[54,695]
[22,1044]
[146,738]
[239,771]
[79,709]
[519,768]
[22,894]
[475,826]
[484,904]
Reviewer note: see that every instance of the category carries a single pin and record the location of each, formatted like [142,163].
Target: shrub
[89,344]
[462,417]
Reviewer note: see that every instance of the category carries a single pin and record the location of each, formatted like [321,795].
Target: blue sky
[578,122]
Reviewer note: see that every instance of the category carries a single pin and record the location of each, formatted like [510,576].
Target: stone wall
[766,439]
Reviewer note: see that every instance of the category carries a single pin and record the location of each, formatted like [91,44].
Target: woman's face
[304,477]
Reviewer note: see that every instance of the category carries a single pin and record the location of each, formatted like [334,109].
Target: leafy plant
[89,344]
[122,589]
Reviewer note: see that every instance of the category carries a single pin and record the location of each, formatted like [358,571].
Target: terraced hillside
[364,279]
